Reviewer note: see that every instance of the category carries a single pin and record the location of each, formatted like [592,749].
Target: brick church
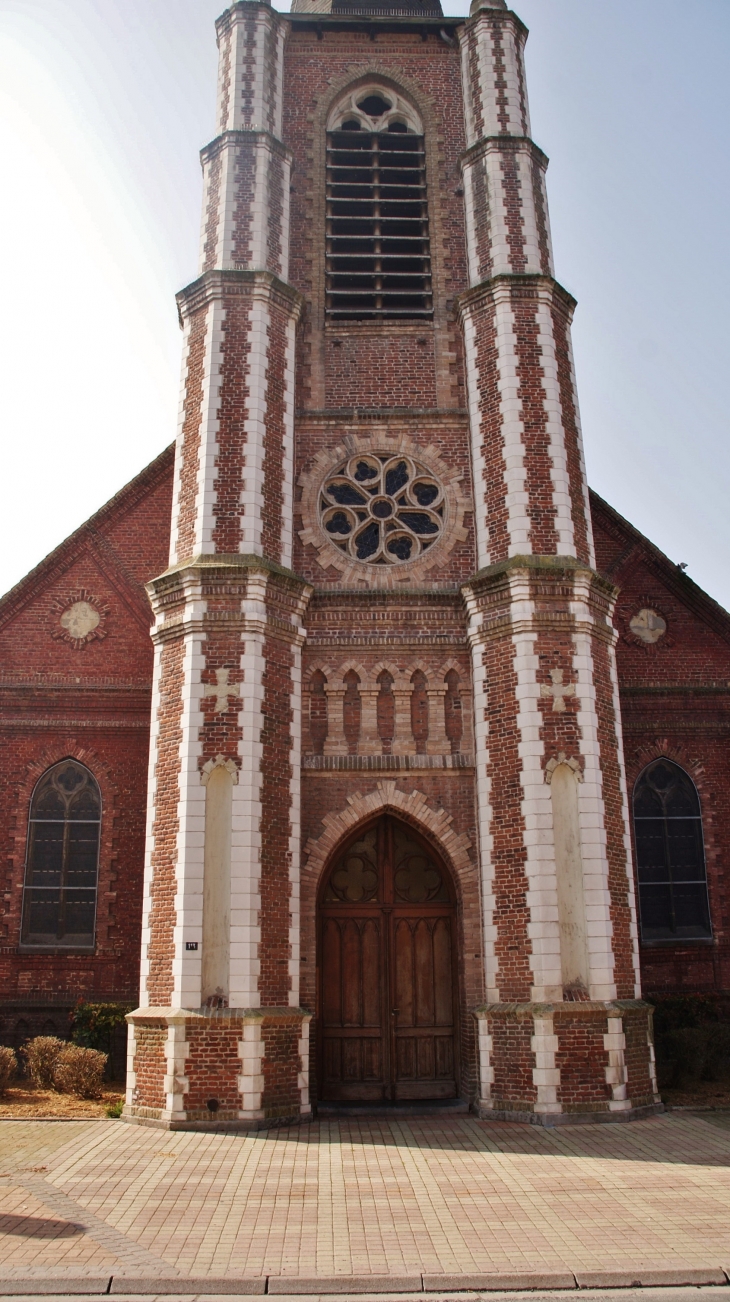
[355,745]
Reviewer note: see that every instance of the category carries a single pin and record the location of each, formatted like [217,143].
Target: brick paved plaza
[364,1197]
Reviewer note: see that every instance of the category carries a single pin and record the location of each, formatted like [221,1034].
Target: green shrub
[93,1025]
[116,1108]
[41,1055]
[692,1039]
[8,1067]
[80,1071]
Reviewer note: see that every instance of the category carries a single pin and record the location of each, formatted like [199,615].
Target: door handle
[395,1010]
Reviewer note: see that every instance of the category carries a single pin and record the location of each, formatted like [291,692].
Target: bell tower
[219,1037]
[563,1030]
[384,659]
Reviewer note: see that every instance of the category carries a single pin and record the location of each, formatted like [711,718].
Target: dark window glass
[59,904]
[670,855]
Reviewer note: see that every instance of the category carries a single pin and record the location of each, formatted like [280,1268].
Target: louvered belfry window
[378,263]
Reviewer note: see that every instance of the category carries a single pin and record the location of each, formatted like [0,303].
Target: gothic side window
[59,899]
[378,257]
[670,855]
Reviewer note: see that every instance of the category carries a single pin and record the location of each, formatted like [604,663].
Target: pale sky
[103,107]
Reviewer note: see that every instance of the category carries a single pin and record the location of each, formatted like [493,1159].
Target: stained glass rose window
[382,509]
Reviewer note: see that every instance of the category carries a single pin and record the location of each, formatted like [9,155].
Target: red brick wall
[281,1066]
[275,949]
[582,1060]
[393,368]
[675,701]
[513,947]
[640,1086]
[91,704]
[316,72]
[150,1063]
[213,1067]
[165,826]
[513,1059]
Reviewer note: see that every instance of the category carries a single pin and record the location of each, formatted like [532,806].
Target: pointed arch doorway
[387,989]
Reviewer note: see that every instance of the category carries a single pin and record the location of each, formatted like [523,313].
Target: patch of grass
[115,1109]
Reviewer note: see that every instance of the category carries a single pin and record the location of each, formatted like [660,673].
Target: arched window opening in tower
[59,898]
[318,711]
[452,710]
[386,711]
[377,255]
[670,855]
[352,711]
[419,711]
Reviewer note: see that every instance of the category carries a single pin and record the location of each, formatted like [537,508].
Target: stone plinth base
[551,1064]
[217,1069]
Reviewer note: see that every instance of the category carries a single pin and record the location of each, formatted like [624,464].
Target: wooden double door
[387,989]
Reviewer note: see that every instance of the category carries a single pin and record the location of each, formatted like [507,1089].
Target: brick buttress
[563,1032]
[219,1039]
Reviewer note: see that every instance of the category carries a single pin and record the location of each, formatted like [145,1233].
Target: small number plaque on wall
[191,944]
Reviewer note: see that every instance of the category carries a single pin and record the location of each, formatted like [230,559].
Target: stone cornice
[386,763]
[547,566]
[179,1016]
[213,286]
[565,1008]
[372,23]
[512,286]
[497,16]
[381,415]
[242,10]
[498,609]
[180,600]
[417,596]
[227,561]
[503,144]
[243,137]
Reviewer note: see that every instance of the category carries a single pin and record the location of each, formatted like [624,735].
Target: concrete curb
[293,1285]
[648,1278]
[502,1283]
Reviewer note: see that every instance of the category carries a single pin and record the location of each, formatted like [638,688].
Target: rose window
[382,509]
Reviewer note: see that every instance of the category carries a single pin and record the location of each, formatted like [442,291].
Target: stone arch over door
[387,1006]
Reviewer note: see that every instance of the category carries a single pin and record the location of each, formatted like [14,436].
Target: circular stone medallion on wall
[644,623]
[80,618]
[648,626]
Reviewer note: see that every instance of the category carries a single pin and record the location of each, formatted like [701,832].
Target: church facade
[419,785]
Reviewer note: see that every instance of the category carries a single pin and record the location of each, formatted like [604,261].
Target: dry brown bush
[41,1055]
[79,1071]
[8,1067]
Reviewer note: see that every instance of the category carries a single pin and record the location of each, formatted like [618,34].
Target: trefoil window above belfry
[378,262]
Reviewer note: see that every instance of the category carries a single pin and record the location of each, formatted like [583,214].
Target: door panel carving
[386,971]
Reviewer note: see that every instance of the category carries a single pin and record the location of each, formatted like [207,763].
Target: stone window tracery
[432,491]
[670,855]
[377,255]
[59,898]
[382,509]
